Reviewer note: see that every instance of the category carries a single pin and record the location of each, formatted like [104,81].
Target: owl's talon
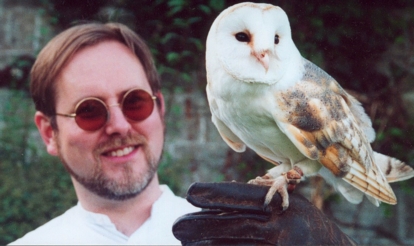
[282,184]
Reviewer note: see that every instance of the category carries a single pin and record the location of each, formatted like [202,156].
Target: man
[101,111]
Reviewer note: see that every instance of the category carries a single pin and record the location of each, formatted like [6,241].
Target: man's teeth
[121,152]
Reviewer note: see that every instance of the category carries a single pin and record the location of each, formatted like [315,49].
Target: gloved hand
[234,214]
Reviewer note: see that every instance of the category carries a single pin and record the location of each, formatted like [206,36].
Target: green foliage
[174,29]
[171,173]
[34,187]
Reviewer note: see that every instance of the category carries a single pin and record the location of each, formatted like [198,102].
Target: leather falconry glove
[234,214]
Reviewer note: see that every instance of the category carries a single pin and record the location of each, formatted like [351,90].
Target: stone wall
[23,30]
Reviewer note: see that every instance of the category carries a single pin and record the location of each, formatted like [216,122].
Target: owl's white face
[253,42]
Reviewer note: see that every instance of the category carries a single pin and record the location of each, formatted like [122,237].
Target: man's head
[104,62]
[56,54]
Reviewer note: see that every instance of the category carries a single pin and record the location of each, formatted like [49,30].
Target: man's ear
[46,132]
[160,104]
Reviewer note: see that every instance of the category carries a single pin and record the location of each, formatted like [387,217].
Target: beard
[130,184]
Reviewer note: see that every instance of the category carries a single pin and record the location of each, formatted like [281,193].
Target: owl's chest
[243,103]
[247,110]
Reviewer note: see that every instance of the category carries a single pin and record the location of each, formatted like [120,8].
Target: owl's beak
[263,58]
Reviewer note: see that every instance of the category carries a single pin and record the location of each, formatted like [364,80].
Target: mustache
[119,141]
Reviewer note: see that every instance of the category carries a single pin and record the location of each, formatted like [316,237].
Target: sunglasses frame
[73,115]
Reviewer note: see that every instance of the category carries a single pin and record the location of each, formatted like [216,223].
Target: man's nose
[117,123]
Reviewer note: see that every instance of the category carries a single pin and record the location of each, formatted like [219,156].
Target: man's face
[120,159]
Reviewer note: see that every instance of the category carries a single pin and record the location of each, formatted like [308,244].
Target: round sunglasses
[92,113]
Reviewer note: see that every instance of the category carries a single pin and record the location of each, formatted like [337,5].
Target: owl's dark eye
[276,39]
[242,37]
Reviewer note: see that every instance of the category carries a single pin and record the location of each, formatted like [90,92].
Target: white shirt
[78,226]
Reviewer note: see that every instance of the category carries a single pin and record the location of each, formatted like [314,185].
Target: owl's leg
[281,184]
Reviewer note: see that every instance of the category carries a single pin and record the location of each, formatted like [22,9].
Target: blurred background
[367,46]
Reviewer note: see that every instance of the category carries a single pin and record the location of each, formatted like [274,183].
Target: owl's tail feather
[376,188]
[394,170]
[371,183]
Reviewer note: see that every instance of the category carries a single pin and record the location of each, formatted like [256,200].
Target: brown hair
[55,55]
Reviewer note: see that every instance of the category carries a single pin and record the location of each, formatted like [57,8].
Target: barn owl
[264,95]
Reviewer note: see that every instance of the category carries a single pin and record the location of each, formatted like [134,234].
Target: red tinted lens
[91,114]
[137,105]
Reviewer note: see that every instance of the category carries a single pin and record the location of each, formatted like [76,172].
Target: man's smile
[121,151]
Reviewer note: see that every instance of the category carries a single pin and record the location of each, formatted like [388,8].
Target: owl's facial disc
[253,44]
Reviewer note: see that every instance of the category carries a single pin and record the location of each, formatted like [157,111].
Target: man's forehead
[109,65]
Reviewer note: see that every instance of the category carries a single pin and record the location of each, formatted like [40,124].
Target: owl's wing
[327,124]
[228,136]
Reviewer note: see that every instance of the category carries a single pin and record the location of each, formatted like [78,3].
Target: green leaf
[173,57]
[168,37]
[204,9]
[186,53]
[217,4]
[174,10]
[380,136]
[186,77]
[179,22]
[399,40]
[173,3]
[397,132]
[197,42]
[193,20]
